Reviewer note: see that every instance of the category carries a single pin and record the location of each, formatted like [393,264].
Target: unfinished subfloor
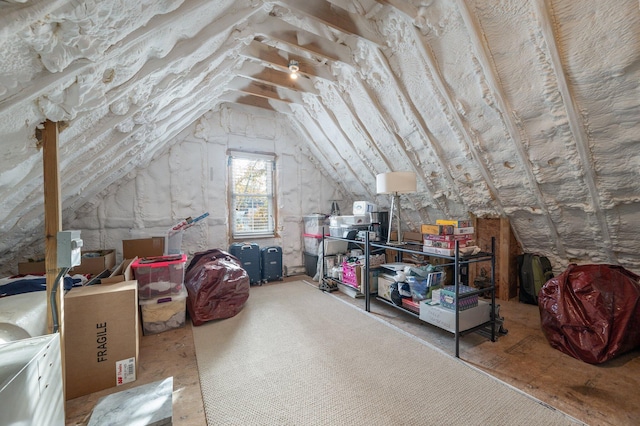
[597,395]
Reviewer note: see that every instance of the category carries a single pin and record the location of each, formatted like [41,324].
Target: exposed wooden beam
[277,78]
[279,59]
[257,89]
[336,18]
[287,37]
[253,101]
[52,225]
[505,288]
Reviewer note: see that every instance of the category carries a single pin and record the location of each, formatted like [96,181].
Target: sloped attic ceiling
[523,109]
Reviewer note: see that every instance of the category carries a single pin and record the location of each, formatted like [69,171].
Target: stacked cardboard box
[448,298]
[101,335]
[93,262]
[441,238]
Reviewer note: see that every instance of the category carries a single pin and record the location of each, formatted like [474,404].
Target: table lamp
[395,183]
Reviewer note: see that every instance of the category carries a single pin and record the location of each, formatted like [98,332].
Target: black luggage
[271,259]
[249,255]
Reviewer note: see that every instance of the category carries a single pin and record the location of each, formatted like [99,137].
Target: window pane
[251,196]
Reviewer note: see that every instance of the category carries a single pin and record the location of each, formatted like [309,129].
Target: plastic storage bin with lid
[314,224]
[163,313]
[159,276]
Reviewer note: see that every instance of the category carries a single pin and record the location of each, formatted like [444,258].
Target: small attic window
[251,192]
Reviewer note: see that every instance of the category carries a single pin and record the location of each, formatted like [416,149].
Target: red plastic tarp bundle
[592,312]
[217,286]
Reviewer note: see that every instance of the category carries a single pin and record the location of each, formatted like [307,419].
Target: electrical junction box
[69,249]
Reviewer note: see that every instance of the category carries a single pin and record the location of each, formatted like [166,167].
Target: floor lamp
[395,183]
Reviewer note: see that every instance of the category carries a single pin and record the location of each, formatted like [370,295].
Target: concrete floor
[597,395]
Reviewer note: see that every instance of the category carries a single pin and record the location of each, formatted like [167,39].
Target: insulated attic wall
[191,179]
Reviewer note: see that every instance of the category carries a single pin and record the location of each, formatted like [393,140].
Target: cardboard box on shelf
[437,229]
[143,247]
[455,223]
[448,298]
[446,318]
[373,279]
[95,261]
[33,266]
[101,329]
[384,286]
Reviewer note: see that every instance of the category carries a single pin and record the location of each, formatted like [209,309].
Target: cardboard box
[439,251]
[384,286]
[373,279]
[448,298]
[455,223]
[95,261]
[36,266]
[143,247]
[470,230]
[123,272]
[101,331]
[437,229]
[446,318]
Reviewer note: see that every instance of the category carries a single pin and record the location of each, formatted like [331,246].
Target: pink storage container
[159,276]
[349,274]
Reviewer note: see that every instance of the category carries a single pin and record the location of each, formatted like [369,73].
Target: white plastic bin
[314,224]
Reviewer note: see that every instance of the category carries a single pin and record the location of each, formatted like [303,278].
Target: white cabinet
[31,382]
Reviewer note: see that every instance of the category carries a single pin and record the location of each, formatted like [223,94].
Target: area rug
[297,356]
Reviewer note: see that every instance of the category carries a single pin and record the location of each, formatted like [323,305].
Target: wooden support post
[503,265]
[52,225]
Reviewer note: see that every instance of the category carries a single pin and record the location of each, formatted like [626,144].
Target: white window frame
[242,228]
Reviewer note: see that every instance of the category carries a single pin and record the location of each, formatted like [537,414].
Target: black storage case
[249,255]
[271,260]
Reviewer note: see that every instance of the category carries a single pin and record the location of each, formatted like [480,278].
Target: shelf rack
[456,262]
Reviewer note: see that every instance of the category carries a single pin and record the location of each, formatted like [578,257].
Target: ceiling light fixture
[294,67]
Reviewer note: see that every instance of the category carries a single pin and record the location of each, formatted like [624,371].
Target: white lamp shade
[396,182]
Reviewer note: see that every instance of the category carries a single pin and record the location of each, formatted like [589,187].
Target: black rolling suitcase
[271,259]
[249,255]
